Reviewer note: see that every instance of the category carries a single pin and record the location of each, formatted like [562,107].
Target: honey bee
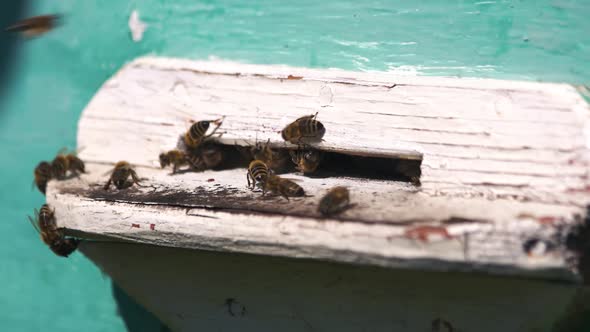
[335,201]
[275,160]
[119,175]
[65,247]
[34,26]
[306,161]
[285,187]
[176,158]
[43,173]
[207,156]
[64,162]
[305,128]
[197,132]
[258,172]
[44,223]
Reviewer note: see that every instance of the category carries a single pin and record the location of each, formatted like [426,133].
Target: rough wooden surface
[504,166]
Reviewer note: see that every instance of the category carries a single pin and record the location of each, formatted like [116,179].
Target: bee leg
[174,168]
[134,177]
[253,185]
[106,186]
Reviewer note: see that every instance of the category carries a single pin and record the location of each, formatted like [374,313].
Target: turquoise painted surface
[55,76]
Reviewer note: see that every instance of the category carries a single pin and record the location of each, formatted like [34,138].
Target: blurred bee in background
[276,160]
[206,156]
[176,158]
[285,187]
[306,128]
[197,133]
[335,201]
[45,224]
[258,172]
[43,173]
[35,26]
[119,175]
[65,162]
[306,161]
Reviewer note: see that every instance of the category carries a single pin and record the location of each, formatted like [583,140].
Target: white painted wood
[187,290]
[509,160]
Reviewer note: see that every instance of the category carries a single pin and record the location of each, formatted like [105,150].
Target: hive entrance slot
[334,164]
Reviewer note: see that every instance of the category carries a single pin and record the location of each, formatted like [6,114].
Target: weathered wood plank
[504,165]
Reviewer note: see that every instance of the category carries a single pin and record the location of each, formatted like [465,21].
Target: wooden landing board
[504,166]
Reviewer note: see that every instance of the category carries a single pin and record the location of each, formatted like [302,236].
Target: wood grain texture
[504,165]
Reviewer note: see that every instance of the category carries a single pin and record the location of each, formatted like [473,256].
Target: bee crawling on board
[45,224]
[285,187]
[197,133]
[43,173]
[276,160]
[304,129]
[176,158]
[35,26]
[335,201]
[64,162]
[258,172]
[120,174]
[306,161]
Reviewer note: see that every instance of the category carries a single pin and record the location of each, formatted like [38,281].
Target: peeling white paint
[136,26]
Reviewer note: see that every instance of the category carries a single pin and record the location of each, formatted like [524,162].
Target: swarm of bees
[198,150]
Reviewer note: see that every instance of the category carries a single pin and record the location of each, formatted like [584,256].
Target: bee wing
[35,226]
[63,150]
[109,172]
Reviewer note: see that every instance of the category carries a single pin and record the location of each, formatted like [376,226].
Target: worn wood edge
[459,247]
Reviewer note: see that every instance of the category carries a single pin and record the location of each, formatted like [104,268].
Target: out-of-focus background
[46,82]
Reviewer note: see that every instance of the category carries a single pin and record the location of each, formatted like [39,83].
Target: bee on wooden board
[306,161]
[34,26]
[64,162]
[197,133]
[45,224]
[304,129]
[335,201]
[276,160]
[43,173]
[120,174]
[176,158]
[258,172]
[284,187]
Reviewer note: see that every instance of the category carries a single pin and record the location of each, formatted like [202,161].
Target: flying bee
[306,128]
[43,173]
[258,172]
[197,133]
[175,157]
[335,201]
[285,187]
[276,160]
[45,224]
[207,156]
[306,161]
[119,175]
[64,162]
[34,26]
